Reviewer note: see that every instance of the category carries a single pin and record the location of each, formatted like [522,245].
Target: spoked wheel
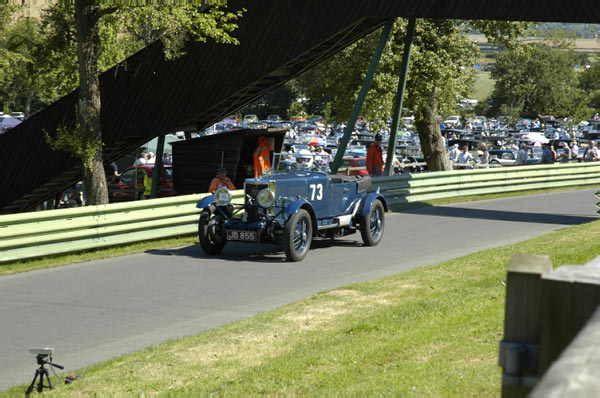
[297,236]
[373,224]
[211,241]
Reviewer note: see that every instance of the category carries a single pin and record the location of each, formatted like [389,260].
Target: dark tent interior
[195,161]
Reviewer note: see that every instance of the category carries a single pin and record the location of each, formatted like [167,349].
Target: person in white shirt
[522,155]
[141,159]
[574,150]
[150,159]
[591,153]
[454,152]
[465,157]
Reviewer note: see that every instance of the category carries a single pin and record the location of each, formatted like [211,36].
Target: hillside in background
[584,31]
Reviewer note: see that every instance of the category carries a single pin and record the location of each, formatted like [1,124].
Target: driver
[304,159]
[221,180]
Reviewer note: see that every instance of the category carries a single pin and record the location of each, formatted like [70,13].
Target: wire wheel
[297,236]
[373,224]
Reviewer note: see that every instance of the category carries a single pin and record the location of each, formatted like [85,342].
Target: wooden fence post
[519,350]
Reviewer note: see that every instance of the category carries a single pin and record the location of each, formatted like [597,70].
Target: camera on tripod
[44,357]
[47,352]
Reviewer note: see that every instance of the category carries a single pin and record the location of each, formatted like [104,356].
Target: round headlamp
[222,196]
[265,198]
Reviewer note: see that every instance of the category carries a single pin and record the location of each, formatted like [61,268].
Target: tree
[104,35]
[440,74]
[539,79]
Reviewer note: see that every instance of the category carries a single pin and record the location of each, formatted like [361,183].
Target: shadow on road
[265,253]
[500,215]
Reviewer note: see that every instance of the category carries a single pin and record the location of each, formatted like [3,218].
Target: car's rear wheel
[373,224]
[211,241]
[297,236]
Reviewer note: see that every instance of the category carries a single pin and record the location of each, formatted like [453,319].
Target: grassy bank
[431,331]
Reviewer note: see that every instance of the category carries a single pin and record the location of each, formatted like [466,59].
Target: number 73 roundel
[316,191]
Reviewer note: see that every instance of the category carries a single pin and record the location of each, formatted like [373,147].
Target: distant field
[591,45]
[484,84]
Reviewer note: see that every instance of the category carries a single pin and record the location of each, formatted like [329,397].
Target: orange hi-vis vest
[262,156]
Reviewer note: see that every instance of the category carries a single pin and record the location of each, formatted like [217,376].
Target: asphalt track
[94,311]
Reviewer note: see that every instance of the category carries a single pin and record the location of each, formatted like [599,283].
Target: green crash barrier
[30,235]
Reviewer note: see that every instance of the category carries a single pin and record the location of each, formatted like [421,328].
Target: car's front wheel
[211,241]
[297,236]
[373,224]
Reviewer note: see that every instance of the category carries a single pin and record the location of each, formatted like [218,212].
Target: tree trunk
[27,109]
[432,144]
[88,43]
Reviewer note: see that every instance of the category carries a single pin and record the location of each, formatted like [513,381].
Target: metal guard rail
[409,188]
[30,235]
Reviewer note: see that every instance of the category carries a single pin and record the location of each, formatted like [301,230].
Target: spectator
[322,156]
[454,152]
[113,170]
[591,153]
[141,160]
[375,157]
[547,156]
[485,156]
[465,157]
[574,150]
[150,158]
[167,159]
[522,155]
[565,156]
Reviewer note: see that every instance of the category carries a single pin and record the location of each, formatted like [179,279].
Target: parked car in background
[452,121]
[508,157]
[351,163]
[129,185]
[250,118]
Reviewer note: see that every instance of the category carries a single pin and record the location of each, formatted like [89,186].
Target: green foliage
[539,79]
[296,108]
[277,101]
[39,57]
[71,140]
[441,57]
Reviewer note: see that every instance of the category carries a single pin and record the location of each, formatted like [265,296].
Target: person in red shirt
[375,158]
[221,180]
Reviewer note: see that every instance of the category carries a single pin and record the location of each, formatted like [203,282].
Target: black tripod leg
[45,372]
[30,388]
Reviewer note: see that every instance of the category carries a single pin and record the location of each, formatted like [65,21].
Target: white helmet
[304,159]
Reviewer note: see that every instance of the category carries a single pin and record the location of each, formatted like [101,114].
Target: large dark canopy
[148,96]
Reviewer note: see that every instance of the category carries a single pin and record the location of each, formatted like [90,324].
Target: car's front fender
[295,206]
[205,202]
[367,203]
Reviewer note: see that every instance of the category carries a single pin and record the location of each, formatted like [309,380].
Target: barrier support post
[519,349]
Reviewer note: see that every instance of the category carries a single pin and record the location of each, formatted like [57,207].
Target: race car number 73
[316,191]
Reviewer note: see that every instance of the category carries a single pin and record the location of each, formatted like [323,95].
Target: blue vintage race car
[294,203]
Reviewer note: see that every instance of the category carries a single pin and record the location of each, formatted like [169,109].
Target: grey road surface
[94,311]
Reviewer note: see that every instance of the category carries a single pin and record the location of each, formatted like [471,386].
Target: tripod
[41,372]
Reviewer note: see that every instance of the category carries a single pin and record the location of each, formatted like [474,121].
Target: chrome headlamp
[265,198]
[222,196]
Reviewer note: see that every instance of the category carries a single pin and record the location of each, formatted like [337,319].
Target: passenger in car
[221,180]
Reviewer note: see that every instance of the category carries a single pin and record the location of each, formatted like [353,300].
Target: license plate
[246,236]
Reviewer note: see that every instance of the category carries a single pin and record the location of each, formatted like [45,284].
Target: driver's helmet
[304,159]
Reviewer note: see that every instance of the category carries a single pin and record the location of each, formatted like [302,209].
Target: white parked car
[452,121]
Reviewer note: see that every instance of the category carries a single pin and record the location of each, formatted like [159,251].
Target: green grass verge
[60,260]
[432,331]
